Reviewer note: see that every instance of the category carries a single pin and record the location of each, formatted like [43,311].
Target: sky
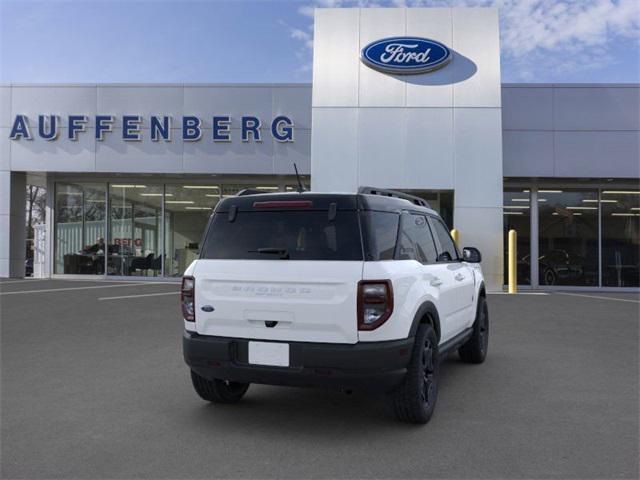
[173,41]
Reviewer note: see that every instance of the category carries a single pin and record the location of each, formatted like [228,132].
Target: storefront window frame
[52,227]
[532,196]
[612,190]
[534,188]
[249,182]
[108,225]
[282,182]
[577,270]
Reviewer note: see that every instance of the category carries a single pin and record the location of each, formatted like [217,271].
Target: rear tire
[415,399]
[218,391]
[475,349]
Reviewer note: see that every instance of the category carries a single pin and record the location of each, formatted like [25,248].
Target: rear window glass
[276,235]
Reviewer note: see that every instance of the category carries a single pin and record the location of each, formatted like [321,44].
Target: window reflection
[79,228]
[620,238]
[568,237]
[517,216]
[134,244]
[134,229]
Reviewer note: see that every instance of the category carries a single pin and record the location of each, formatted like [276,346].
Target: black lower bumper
[371,366]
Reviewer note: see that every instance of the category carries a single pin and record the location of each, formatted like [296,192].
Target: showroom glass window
[517,216]
[79,230]
[135,242]
[568,237]
[186,212]
[620,238]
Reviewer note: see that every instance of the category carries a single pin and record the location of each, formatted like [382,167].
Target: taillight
[187,298]
[375,303]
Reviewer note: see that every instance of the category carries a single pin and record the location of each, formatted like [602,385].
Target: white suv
[351,291]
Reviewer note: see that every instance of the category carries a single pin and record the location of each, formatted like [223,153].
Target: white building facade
[439,130]
[133,170]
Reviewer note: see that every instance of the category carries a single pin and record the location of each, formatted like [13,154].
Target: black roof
[322,201]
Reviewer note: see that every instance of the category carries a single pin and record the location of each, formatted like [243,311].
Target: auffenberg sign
[49,127]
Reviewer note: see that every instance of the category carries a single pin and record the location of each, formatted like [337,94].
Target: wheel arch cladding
[482,292]
[427,313]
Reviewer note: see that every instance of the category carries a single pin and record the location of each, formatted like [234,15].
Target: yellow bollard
[455,234]
[513,273]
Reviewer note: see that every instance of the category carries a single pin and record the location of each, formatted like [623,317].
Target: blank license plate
[268,353]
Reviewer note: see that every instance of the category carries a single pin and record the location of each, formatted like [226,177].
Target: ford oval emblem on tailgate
[207,308]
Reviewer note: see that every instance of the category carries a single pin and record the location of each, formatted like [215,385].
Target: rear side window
[447,250]
[284,235]
[416,242]
[381,234]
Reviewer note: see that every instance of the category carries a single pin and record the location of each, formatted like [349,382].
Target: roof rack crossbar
[394,193]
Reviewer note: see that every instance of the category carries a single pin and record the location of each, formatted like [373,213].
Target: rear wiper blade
[283,252]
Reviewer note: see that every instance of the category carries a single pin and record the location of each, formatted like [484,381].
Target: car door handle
[459,277]
[436,282]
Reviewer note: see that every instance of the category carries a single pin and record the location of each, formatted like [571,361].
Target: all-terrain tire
[415,399]
[475,349]
[218,391]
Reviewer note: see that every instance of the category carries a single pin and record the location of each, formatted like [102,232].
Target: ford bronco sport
[349,291]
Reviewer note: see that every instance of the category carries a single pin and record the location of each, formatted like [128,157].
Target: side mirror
[471,255]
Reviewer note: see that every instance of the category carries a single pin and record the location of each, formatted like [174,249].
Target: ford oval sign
[405,55]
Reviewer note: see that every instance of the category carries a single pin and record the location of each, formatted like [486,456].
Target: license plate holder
[269,353]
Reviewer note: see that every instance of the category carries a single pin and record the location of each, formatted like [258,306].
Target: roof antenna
[300,186]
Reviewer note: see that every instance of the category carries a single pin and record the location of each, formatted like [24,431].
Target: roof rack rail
[395,194]
[251,191]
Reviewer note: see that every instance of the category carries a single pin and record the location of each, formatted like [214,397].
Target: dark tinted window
[447,248]
[382,232]
[416,242]
[274,235]
[426,243]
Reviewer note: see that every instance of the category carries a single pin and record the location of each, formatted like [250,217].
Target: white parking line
[138,296]
[25,280]
[519,293]
[599,297]
[78,288]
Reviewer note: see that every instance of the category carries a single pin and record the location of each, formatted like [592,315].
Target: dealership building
[133,170]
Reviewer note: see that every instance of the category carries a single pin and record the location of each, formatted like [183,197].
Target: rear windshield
[284,235]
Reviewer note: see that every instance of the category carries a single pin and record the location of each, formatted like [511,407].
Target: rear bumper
[371,366]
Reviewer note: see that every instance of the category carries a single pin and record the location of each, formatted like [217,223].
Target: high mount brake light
[188,298]
[284,204]
[375,303]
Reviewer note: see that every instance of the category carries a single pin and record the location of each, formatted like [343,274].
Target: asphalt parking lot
[95,387]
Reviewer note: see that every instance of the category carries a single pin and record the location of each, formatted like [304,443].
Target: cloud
[579,34]
[305,37]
